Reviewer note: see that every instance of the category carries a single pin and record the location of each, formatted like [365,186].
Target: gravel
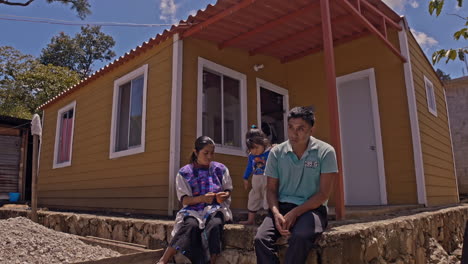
[25,242]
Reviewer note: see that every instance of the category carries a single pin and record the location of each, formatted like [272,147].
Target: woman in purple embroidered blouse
[204,188]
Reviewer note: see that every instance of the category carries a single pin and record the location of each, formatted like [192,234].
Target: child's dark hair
[255,136]
[200,143]
[305,113]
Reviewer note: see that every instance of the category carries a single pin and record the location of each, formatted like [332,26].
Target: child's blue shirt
[256,164]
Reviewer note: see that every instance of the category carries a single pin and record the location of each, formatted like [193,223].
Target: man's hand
[222,196]
[280,223]
[246,184]
[290,219]
[208,198]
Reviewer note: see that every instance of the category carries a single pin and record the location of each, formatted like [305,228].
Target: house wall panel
[435,135]
[305,81]
[92,175]
[355,56]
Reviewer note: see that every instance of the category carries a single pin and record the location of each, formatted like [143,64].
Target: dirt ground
[25,242]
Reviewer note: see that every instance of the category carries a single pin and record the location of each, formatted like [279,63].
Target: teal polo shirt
[299,179]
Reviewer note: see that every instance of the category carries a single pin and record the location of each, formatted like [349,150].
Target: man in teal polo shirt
[301,172]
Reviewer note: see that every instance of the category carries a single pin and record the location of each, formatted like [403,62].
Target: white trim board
[176,108]
[413,114]
[143,70]
[370,74]
[203,63]
[68,107]
[279,90]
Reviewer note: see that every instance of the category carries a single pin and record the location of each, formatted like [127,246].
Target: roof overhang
[290,30]
[287,30]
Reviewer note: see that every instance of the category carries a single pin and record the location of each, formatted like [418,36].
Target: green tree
[443,76]
[25,83]
[435,7]
[82,7]
[80,52]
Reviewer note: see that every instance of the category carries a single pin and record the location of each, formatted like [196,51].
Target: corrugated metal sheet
[10,152]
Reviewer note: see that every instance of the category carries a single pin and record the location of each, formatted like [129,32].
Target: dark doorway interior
[272,114]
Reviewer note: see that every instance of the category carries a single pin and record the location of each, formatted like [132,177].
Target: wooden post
[34,179]
[329,59]
[36,131]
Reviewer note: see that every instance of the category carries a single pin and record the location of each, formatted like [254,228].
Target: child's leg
[250,220]
[255,199]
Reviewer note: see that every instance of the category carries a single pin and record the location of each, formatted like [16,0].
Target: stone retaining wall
[419,238]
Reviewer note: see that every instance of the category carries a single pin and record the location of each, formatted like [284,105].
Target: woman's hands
[207,198]
[222,196]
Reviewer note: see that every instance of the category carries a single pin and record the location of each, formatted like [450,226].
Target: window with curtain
[64,136]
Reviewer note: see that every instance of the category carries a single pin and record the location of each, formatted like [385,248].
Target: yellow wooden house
[115,141]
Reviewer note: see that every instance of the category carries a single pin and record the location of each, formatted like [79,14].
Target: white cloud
[399,5]
[424,40]
[192,12]
[414,4]
[168,10]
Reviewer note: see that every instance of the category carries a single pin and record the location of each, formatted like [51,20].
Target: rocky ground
[25,242]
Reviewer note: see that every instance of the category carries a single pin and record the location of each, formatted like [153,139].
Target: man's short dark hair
[303,112]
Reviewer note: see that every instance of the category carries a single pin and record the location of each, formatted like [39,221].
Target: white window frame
[214,67]
[143,70]
[428,85]
[279,90]
[62,110]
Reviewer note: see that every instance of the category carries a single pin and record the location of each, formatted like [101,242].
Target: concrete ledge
[405,239]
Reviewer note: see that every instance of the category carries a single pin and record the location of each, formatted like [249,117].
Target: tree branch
[6,2]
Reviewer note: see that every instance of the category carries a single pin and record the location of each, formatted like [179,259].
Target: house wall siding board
[304,78]
[159,191]
[439,200]
[91,170]
[434,131]
[109,203]
[114,173]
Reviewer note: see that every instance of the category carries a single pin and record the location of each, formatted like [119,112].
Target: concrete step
[351,212]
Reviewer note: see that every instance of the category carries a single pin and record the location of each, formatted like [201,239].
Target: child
[259,148]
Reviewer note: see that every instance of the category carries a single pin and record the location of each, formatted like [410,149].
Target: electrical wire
[78,23]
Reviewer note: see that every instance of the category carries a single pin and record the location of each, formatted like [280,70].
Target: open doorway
[272,107]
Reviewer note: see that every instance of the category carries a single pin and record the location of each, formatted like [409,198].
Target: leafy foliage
[80,52]
[443,76]
[436,6]
[25,83]
[82,7]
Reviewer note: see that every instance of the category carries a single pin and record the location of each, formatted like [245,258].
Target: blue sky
[432,33]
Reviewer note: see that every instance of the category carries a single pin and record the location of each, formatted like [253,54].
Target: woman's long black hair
[200,143]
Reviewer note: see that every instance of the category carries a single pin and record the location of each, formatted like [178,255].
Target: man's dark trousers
[307,228]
